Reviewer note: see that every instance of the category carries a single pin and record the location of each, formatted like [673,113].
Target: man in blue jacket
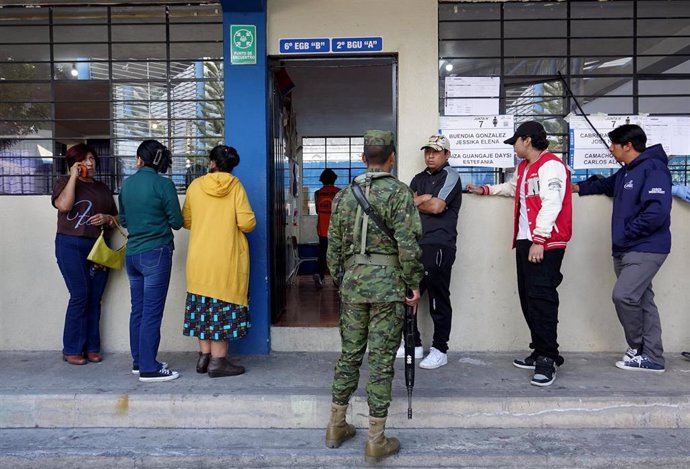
[640,228]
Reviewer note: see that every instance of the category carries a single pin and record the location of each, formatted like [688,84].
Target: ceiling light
[74,72]
[449,67]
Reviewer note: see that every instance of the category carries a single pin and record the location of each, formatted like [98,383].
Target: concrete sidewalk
[296,449]
[292,390]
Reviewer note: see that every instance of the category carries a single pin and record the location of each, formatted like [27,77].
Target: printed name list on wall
[588,151]
[478,140]
[330,45]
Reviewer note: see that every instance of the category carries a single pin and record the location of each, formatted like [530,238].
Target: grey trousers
[634,300]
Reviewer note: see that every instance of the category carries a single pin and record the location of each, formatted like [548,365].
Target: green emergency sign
[242,44]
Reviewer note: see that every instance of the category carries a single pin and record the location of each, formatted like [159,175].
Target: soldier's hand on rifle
[412,300]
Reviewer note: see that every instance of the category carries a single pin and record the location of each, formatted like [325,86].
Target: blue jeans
[85,283]
[149,278]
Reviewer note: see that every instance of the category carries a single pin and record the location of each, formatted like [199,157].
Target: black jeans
[321,263]
[438,262]
[537,285]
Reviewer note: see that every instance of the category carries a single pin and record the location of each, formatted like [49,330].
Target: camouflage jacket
[393,200]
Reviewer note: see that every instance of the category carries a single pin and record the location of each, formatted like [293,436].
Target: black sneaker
[525,364]
[544,372]
[135,368]
[163,374]
[685,355]
[642,363]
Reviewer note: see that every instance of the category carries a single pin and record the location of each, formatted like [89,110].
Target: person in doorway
[376,271]
[150,210]
[641,238]
[216,210]
[85,206]
[437,195]
[542,229]
[324,201]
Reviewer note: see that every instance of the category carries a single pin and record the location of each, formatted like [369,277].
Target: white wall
[33,296]
[487,315]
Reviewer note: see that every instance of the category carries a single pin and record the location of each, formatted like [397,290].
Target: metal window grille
[110,77]
[619,57]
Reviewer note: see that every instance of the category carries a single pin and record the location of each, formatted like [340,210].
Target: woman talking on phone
[85,206]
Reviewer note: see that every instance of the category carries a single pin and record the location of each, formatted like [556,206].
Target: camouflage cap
[378,137]
[437,142]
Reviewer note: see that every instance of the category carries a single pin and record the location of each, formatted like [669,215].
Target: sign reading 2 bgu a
[242,44]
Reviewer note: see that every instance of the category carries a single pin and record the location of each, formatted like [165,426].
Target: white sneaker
[418,351]
[434,360]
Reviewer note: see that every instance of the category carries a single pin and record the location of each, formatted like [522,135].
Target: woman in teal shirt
[150,210]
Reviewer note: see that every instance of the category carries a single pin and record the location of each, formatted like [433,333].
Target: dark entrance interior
[320,109]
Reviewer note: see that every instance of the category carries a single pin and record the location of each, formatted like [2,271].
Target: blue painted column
[246,129]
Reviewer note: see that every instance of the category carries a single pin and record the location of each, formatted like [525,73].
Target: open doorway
[321,107]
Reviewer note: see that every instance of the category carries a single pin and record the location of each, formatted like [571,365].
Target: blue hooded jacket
[641,191]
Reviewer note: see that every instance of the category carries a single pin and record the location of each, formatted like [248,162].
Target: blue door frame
[246,129]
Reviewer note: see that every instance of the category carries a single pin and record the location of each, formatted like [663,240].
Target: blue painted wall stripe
[246,128]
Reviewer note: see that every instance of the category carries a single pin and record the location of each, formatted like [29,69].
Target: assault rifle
[409,331]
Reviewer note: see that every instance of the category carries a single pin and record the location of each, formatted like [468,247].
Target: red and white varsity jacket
[548,198]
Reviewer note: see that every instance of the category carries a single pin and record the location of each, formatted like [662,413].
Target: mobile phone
[83,171]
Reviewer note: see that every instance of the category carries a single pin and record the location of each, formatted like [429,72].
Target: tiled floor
[308,306]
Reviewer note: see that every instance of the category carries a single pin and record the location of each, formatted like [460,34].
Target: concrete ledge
[298,411]
[292,391]
[305,339]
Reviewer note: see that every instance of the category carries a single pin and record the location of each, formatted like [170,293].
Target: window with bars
[110,77]
[341,154]
[618,57]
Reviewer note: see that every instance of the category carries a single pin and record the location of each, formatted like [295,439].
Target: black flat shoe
[219,367]
[202,363]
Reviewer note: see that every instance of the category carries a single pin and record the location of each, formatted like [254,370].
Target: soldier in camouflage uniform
[375,272]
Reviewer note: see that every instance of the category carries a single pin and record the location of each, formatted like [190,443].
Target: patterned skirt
[212,319]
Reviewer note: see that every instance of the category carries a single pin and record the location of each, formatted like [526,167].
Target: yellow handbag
[101,254]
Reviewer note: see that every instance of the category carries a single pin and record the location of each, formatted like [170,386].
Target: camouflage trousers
[378,325]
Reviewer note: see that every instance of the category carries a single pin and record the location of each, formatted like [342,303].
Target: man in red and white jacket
[542,228]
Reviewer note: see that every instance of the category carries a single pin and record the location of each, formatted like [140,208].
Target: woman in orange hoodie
[218,214]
